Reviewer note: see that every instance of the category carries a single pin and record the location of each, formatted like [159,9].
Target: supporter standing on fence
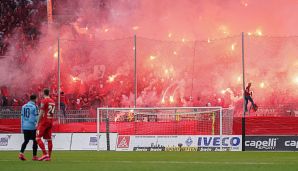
[5,94]
[248,97]
[63,103]
[29,120]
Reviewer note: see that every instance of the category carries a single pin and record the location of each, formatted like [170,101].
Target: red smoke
[97,48]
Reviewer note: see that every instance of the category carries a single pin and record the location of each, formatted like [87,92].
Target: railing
[280,110]
[71,116]
[74,116]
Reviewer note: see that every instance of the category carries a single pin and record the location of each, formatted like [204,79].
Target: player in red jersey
[44,125]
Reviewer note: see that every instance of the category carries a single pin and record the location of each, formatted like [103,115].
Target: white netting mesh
[166,121]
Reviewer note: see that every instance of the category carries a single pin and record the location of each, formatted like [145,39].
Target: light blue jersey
[29,116]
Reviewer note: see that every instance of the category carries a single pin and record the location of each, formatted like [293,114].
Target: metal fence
[71,116]
[159,72]
[74,116]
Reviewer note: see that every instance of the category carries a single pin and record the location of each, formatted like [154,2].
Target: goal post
[176,121]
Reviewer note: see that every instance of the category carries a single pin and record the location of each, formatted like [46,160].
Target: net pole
[50,11]
[59,79]
[135,71]
[193,68]
[220,128]
[107,131]
[243,85]
[97,128]
[213,123]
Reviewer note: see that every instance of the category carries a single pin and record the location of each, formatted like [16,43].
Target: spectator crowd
[25,17]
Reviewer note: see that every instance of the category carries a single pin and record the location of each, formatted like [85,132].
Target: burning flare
[56,55]
[112,78]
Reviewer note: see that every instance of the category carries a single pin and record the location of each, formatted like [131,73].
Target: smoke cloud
[186,49]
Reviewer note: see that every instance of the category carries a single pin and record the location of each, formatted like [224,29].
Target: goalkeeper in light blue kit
[29,120]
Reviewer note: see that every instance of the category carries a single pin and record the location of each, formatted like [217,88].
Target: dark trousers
[29,135]
[63,108]
[248,98]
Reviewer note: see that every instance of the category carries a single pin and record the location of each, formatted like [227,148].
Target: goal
[166,122]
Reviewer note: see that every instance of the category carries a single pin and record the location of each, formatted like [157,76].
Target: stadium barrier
[284,109]
[267,125]
[271,143]
[89,141]
[61,141]
[254,126]
[10,112]
[73,116]
[76,116]
[178,143]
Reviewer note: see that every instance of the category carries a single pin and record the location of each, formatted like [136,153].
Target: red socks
[41,145]
[50,146]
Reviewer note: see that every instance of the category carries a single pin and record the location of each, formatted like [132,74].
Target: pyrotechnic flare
[233,46]
[259,32]
[75,79]
[262,85]
[152,57]
[135,27]
[239,79]
[56,54]
[295,80]
[163,100]
[171,99]
[112,78]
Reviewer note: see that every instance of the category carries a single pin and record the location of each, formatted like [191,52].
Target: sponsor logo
[214,141]
[123,141]
[188,141]
[214,149]
[149,149]
[4,140]
[153,147]
[181,148]
[93,141]
[291,143]
[269,144]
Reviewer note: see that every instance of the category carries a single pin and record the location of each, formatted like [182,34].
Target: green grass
[160,161]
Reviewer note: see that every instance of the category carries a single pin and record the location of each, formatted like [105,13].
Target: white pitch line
[163,162]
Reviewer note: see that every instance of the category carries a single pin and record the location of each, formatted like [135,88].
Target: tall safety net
[175,121]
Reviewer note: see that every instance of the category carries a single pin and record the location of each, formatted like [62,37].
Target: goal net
[167,121]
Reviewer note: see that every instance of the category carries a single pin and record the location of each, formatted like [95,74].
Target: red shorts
[44,130]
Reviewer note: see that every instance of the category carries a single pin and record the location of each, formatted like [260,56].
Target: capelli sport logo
[269,144]
[4,140]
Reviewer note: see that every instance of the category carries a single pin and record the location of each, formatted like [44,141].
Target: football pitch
[160,161]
